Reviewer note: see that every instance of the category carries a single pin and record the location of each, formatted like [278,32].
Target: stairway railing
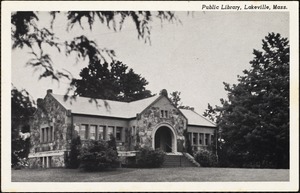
[169,147]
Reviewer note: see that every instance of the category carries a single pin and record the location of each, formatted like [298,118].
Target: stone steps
[177,161]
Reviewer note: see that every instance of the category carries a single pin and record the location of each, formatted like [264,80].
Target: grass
[190,174]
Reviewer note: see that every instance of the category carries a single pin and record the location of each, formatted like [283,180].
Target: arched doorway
[164,139]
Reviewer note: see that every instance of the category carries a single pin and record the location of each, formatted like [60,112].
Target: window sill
[47,142]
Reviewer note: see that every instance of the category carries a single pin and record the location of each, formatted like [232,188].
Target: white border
[6,183]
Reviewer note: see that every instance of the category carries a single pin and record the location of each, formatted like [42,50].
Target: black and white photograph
[149,96]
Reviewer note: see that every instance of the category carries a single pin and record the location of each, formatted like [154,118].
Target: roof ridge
[143,98]
[107,99]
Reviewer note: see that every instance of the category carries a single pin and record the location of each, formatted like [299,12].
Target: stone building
[153,122]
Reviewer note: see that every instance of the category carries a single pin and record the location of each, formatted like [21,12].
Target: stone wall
[35,162]
[50,113]
[58,161]
[151,118]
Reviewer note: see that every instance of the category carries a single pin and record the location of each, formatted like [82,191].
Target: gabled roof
[196,119]
[107,108]
[126,110]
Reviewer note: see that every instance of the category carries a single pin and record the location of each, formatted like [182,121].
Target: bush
[148,158]
[98,156]
[206,158]
[112,142]
[73,161]
[19,153]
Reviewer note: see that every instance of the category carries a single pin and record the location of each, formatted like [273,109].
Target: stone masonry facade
[56,123]
[53,127]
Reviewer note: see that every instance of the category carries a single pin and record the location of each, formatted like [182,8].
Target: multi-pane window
[43,135]
[47,134]
[201,139]
[83,132]
[93,132]
[119,133]
[161,113]
[206,139]
[164,114]
[110,130]
[194,137]
[50,134]
[101,132]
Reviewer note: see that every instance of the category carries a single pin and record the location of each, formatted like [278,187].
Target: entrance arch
[164,138]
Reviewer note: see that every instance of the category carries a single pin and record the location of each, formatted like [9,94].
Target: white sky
[194,58]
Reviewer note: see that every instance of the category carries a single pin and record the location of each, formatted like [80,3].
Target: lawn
[190,174]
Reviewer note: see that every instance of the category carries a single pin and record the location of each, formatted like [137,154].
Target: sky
[194,57]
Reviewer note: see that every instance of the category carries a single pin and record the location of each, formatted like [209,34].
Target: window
[83,132]
[93,132]
[119,134]
[101,132]
[43,135]
[50,134]
[201,139]
[161,113]
[212,139]
[46,134]
[194,137]
[110,130]
[206,139]
[166,114]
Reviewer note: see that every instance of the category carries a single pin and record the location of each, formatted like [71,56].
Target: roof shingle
[108,108]
[116,109]
[196,119]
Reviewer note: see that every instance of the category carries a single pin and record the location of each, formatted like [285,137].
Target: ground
[190,174]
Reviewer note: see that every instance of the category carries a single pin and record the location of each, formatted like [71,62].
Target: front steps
[178,160]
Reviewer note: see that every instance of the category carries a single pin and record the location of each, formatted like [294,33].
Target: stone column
[204,139]
[192,138]
[47,162]
[43,162]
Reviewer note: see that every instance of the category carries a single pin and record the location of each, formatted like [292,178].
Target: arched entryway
[164,138]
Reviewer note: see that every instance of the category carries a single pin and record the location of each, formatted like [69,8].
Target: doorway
[164,139]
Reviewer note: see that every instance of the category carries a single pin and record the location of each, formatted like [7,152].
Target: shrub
[98,156]
[112,142]
[206,158]
[73,161]
[148,158]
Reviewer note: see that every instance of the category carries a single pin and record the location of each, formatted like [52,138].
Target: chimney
[39,102]
[49,91]
[164,92]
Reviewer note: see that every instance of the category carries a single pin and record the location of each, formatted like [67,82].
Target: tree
[176,100]
[21,111]
[254,121]
[26,33]
[114,82]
